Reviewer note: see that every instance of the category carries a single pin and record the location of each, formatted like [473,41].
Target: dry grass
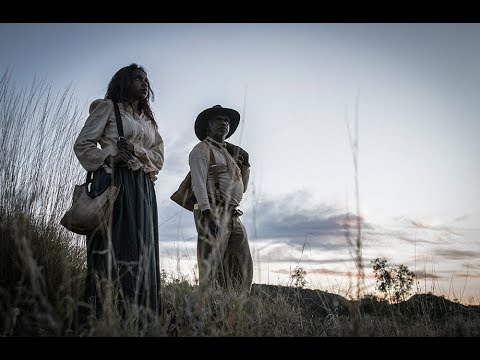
[42,266]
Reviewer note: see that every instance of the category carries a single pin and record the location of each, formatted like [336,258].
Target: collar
[215,143]
[129,109]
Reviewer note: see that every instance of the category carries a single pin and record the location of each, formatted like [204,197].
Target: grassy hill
[42,274]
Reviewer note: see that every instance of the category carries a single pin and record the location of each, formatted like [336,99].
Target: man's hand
[239,154]
[209,222]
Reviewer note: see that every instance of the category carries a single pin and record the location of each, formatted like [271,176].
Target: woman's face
[140,85]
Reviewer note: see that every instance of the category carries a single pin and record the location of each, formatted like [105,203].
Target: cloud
[461,218]
[314,261]
[175,223]
[413,239]
[176,157]
[389,235]
[468,275]
[295,219]
[471,266]
[321,271]
[183,247]
[422,225]
[420,232]
[179,250]
[453,254]
[290,222]
[324,271]
[426,275]
[272,252]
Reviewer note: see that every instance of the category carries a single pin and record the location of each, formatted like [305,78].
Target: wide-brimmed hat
[201,124]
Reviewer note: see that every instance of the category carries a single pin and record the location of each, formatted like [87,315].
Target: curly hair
[120,90]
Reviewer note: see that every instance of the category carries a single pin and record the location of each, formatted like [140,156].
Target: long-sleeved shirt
[231,186]
[101,128]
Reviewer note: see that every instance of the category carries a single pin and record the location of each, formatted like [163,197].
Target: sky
[410,89]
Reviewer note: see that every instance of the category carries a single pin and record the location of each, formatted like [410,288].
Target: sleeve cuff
[204,206]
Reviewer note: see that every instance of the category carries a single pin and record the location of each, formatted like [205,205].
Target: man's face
[219,126]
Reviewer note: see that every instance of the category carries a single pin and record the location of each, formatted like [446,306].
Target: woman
[133,163]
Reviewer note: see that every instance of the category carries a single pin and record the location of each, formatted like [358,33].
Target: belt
[232,209]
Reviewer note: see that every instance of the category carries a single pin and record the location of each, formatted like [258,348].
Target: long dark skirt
[135,270]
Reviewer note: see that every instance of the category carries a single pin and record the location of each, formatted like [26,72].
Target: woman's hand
[119,160]
[124,144]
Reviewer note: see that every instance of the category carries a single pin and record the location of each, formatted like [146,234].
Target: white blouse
[101,128]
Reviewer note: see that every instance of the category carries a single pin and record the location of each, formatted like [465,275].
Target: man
[220,173]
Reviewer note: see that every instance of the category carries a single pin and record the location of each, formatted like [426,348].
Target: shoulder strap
[119,119]
[218,195]
[213,165]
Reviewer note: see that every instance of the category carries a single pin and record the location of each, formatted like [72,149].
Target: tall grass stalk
[358,260]
[41,265]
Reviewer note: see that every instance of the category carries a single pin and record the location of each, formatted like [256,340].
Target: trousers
[224,260]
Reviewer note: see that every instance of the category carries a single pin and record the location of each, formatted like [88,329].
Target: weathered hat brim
[201,123]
